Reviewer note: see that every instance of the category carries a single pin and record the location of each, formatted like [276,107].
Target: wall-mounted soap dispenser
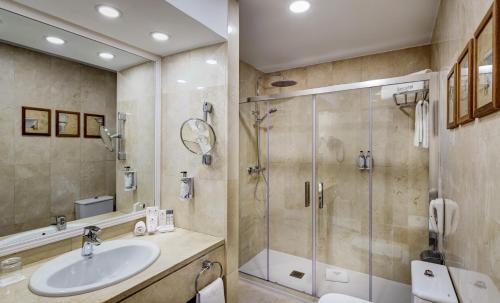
[187,187]
[129,179]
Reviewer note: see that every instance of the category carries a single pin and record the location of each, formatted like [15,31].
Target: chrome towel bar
[206,265]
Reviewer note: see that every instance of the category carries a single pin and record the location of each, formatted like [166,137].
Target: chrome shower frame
[434,91]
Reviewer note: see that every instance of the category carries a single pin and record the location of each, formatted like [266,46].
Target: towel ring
[206,265]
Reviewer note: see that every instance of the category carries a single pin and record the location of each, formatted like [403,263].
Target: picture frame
[485,97]
[36,121]
[465,78]
[451,98]
[67,124]
[91,125]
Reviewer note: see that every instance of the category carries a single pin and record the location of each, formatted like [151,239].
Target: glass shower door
[290,192]
[342,219]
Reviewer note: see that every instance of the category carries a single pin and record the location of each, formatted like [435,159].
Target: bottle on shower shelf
[368,160]
[361,160]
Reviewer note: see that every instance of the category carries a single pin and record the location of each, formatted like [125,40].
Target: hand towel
[417,138]
[436,215]
[212,293]
[451,215]
[425,124]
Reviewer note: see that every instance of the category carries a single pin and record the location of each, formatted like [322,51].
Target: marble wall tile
[467,179]
[32,192]
[65,187]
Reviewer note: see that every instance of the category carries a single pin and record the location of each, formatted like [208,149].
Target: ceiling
[273,38]
[22,31]
[139,18]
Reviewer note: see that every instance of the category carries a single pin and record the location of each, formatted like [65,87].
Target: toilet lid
[339,298]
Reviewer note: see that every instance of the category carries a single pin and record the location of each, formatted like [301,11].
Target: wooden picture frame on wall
[451,98]
[485,97]
[36,121]
[67,124]
[91,125]
[465,70]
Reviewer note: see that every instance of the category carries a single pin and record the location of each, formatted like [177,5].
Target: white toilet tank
[93,206]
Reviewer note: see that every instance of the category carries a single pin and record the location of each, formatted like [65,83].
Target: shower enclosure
[312,218]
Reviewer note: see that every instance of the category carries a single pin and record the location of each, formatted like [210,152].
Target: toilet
[431,283]
[339,298]
[93,206]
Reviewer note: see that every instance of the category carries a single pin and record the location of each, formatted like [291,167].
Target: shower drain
[297,274]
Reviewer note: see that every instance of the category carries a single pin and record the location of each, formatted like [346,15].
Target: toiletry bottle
[361,160]
[162,217]
[170,220]
[368,160]
[152,219]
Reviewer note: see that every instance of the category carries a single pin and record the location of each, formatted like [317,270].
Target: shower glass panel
[342,220]
[253,190]
[290,202]
[400,186]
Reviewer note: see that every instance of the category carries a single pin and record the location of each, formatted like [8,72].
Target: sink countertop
[178,249]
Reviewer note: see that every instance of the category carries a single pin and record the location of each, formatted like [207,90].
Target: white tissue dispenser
[187,187]
[129,179]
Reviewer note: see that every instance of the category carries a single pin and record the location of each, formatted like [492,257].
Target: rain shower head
[284,83]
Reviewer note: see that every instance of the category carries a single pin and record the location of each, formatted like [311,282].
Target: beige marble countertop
[178,249]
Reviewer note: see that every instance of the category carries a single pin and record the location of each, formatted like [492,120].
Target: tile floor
[249,293]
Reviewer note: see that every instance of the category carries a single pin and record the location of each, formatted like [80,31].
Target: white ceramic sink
[112,262]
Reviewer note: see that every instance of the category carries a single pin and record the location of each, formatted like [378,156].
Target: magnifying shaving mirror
[198,136]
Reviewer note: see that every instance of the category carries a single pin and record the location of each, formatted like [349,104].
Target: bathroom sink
[112,262]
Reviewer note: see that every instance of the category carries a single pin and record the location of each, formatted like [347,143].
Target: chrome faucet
[60,222]
[89,240]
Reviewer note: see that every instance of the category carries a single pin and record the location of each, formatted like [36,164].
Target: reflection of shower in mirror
[107,137]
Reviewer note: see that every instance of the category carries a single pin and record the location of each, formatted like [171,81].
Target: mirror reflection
[70,135]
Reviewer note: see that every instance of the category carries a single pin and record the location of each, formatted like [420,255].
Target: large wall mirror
[77,131]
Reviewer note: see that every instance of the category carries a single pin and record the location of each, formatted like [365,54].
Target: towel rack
[411,97]
[206,265]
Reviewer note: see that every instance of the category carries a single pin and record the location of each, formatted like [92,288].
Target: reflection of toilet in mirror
[93,206]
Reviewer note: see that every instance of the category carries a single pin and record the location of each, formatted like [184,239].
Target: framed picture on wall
[92,124]
[464,84]
[67,124]
[451,99]
[36,121]
[485,57]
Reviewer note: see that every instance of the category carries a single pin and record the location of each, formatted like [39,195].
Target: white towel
[212,293]
[425,124]
[421,136]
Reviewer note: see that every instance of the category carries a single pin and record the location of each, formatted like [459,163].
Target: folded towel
[421,136]
[417,138]
[212,293]
[425,124]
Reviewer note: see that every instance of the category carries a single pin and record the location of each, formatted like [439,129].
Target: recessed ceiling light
[298,7]
[108,11]
[159,36]
[211,61]
[55,40]
[200,88]
[106,56]
[181,81]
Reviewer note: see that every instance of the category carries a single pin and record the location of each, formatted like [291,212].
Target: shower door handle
[320,196]
[307,198]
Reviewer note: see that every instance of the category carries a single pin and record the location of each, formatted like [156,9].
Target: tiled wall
[136,97]
[469,154]
[41,177]
[400,183]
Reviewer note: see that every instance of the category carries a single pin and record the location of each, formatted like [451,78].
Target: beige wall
[400,183]
[469,154]
[41,177]
[136,97]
